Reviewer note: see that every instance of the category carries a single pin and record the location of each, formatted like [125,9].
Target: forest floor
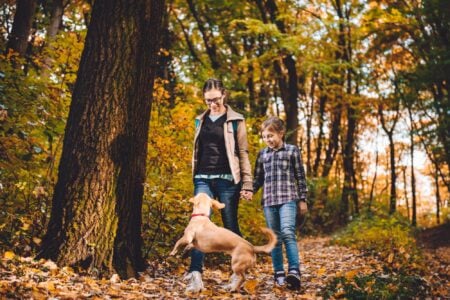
[24,278]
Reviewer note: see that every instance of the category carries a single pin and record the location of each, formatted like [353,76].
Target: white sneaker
[195,284]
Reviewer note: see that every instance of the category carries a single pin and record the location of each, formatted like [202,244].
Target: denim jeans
[281,219]
[227,193]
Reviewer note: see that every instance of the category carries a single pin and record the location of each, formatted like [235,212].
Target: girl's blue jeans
[227,192]
[281,219]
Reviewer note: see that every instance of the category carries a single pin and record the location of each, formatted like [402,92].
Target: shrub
[390,238]
[377,287]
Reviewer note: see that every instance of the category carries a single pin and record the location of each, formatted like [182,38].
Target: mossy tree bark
[96,214]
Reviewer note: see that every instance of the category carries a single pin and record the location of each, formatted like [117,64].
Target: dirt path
[23,278]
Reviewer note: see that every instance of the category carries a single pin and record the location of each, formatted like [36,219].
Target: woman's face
[214,100]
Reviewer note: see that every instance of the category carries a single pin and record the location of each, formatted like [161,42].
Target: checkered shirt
[282,174]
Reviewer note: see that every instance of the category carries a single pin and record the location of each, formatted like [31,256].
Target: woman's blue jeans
[227,193]
[281,219]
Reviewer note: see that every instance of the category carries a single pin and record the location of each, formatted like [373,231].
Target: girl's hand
[303,207]
[247,195]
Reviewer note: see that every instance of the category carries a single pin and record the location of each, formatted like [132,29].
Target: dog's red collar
[198,215]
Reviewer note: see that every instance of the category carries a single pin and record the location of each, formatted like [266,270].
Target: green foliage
[376,287]
[390,238]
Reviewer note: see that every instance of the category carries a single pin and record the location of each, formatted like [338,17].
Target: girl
[279,168]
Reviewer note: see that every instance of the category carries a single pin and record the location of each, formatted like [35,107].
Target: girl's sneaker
[293,279]
[280,278]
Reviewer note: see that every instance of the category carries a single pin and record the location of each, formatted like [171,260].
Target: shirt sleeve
[258,178]
[299,173]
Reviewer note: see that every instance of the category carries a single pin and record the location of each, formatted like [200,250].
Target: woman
[220,164]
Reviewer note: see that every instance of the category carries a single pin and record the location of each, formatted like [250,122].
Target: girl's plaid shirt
[282,174]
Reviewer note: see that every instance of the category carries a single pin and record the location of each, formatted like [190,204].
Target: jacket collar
[231,114]
[283,147]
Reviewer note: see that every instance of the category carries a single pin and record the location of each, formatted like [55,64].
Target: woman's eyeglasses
[213,100]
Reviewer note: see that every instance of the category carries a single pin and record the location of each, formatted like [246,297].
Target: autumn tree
[96,208]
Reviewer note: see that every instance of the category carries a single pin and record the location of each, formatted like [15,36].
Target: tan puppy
[207,237]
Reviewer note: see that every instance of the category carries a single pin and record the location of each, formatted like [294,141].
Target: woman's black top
[212,155]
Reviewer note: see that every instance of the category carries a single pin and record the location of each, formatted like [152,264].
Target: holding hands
[247,195]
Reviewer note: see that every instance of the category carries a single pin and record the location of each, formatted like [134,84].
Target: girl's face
[214,100]
[273,139]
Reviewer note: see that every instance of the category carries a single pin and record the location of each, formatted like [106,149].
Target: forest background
[363,87]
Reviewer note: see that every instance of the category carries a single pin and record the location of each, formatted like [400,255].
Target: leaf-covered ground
[321,262]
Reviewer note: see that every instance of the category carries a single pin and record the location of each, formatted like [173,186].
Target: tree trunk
[438,198]
[413,177]
[18,39]
[405,186]
[290,101]
[340,55]
[310,115]
[393,193]
[374,180]
[348,156]
[322,101]
[349,189]
[333,145]
[57,10]
[96,214]
[287,78]
[390,133]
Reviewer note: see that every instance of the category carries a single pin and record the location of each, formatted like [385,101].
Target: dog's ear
[217,204]
[193,200]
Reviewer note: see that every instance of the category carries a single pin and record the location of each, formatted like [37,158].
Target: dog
[204,235]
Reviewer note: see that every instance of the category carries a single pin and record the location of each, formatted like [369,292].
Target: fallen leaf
[250,286]
[321,271]
[350,274]
[390,257]
[49,286]
[8,255]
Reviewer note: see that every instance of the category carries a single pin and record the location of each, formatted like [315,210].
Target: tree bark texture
[57,10]
[96,214]
[349,189]
[23,19]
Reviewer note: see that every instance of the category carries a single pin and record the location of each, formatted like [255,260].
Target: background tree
[23,18]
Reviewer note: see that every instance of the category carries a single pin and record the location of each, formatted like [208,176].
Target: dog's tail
[270,245]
